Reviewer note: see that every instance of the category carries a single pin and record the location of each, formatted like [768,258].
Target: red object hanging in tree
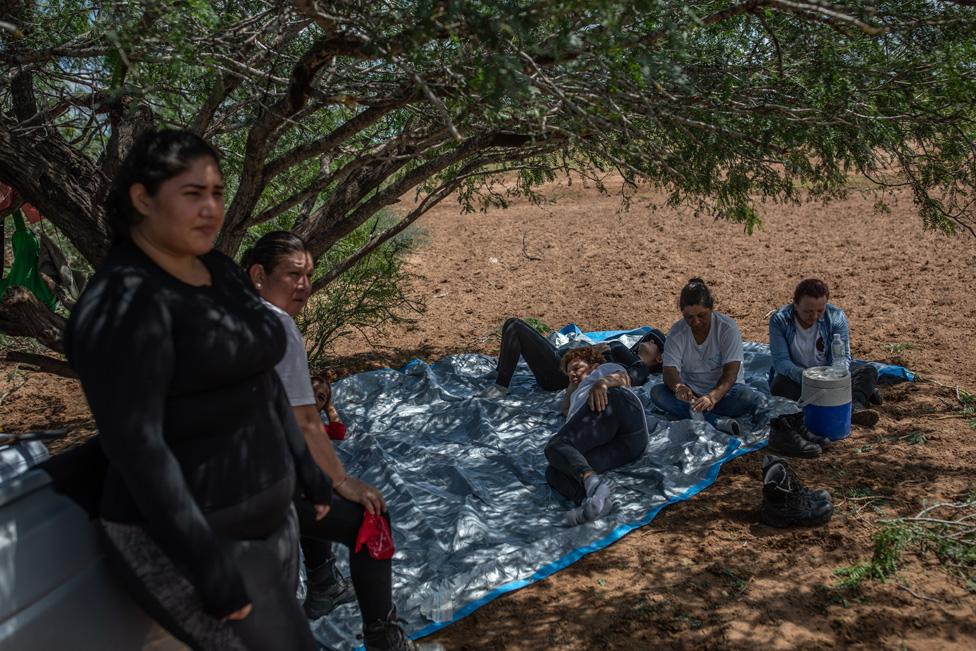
[6,197]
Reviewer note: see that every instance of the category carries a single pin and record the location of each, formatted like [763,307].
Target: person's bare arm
[672,379]
[567,395]
[332,414]
[598,398]
[708,401]
[319,445]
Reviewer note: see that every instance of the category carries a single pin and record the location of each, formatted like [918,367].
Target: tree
[329,112]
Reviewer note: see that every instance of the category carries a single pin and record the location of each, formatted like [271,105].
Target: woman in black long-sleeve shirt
[176,356]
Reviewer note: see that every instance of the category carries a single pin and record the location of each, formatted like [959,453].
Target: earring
[259,285]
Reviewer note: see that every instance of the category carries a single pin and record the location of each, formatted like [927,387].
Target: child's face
[321,395]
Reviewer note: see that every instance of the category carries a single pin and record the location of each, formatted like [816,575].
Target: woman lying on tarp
[605,429]
[519,339]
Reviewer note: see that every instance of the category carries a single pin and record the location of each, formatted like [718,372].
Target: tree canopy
[329,112]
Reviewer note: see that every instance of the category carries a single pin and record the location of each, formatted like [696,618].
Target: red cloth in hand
[375,533]
[336,431]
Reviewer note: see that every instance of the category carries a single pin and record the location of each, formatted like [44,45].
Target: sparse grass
[538,324]
[915,437]
[642,606]
[897,348]
[858,491]
[888,546]
[946,530]
[968,402]
[736,582]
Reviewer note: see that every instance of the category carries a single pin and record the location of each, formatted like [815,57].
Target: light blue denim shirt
[782,332]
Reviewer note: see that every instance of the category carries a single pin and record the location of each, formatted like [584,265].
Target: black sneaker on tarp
[327,590]
[787,502]
[786,437]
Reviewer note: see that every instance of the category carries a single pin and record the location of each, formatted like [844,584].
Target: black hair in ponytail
[696,292]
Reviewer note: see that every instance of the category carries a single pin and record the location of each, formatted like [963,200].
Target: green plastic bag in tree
[23,271]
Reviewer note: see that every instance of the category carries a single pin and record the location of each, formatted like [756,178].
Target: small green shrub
[369,298]
[538,324]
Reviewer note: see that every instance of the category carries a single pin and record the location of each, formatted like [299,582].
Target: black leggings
[371,578]
[596,441]
[519,339]
[864,379]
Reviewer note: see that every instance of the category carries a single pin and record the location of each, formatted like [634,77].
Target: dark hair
[155,157]
[588,354]
[696,292]
[810,287]
[271,248]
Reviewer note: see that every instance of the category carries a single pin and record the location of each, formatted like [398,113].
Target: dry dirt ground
[706,574]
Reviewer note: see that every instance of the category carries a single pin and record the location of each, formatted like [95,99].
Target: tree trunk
[43,364]
[58,181]
[22,315]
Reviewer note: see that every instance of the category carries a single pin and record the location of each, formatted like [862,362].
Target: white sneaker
[598,503]
[729,425]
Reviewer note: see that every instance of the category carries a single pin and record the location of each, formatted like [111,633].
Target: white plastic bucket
[826,394]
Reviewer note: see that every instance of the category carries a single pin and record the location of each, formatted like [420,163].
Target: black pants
[596,441]
[371,578]
[864,379]
[519,339]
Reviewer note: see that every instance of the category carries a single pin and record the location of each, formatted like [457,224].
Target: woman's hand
[598,397]
[358,491]
[705,403]
[684,392]
[239,614]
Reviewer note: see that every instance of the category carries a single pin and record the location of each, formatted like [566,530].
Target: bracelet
[344,479]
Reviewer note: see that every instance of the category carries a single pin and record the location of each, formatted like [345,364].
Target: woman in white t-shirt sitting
[605,429]
[703,364]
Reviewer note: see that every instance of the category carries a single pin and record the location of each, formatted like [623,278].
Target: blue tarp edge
[731,452]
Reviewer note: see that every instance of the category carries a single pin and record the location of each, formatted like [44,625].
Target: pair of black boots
[787,502]
[789,436]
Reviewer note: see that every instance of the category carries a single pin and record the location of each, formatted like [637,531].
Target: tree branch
[379,239]
[326,230]
[25,316]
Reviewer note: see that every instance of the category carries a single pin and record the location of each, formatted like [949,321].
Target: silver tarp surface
[464,477]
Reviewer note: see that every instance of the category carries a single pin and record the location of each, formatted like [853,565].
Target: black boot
[786,437]
[864,416]
[388,635]
[796,422]
[327,590]
[786,502]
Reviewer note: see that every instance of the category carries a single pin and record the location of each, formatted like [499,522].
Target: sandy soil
[705,574]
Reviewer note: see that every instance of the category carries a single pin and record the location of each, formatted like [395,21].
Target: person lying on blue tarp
[703,364]
[605,429]
[800,336]
[519,339]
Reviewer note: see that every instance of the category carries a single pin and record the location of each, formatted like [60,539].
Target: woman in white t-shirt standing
[605,429]
[280,266]
[703,364]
